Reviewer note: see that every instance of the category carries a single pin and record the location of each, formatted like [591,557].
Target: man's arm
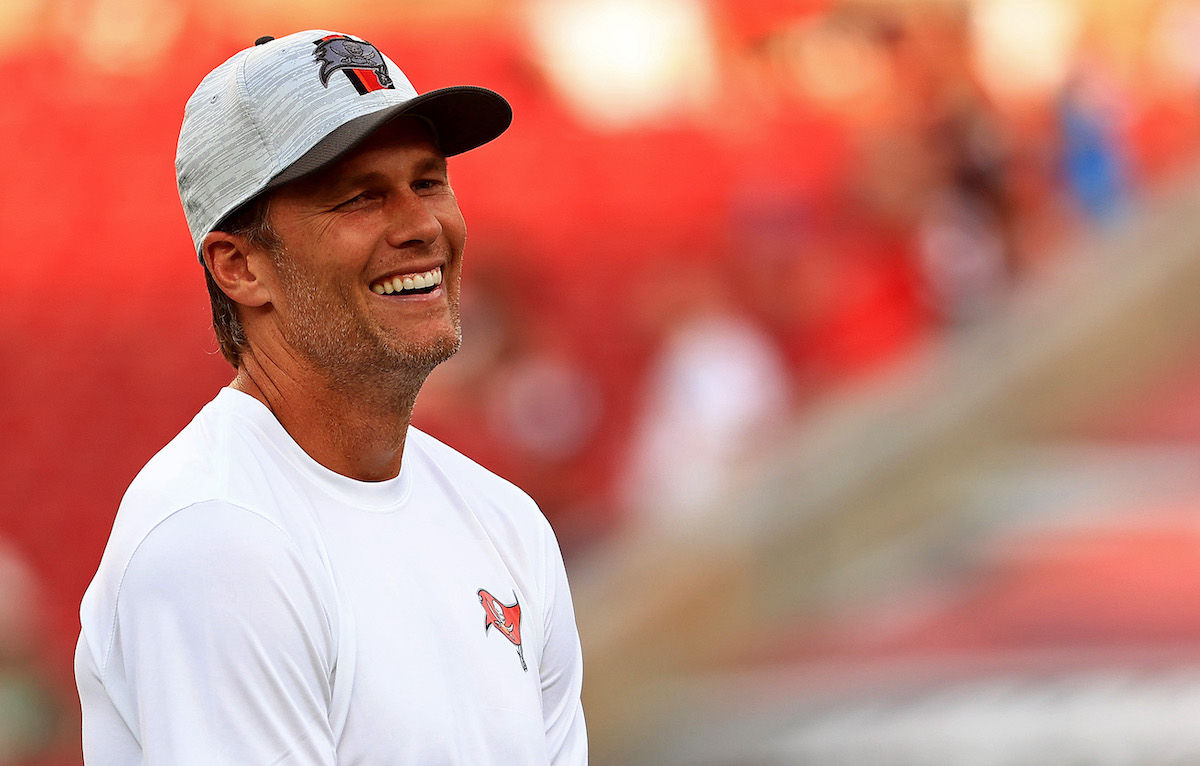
[562,668]
[222,649]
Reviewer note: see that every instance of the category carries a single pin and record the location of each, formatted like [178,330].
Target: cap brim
[460,117]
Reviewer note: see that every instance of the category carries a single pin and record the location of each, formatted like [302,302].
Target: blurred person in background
[300,577]
[716,394]
[1092,114]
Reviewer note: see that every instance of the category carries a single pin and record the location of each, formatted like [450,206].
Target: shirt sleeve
[223,645]
[562,668]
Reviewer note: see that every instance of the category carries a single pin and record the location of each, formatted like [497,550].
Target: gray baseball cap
[288,106]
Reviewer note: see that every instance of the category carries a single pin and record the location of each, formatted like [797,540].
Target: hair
[250,220]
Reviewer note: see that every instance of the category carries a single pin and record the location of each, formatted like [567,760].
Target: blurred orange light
[620,63]
[1024,48]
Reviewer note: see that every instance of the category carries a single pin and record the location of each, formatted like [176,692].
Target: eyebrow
[333,187]
[433,163]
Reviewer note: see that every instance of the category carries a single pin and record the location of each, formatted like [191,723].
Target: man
[299,577]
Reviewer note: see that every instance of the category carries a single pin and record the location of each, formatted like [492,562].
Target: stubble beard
[347,352]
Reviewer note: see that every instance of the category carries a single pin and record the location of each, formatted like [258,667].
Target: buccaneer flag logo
[362,63]
[507,620]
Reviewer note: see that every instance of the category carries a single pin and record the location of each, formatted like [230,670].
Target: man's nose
[411,221]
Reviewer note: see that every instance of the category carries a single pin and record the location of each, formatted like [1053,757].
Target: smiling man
[300,577]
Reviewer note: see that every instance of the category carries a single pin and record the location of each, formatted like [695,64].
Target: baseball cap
[285,107]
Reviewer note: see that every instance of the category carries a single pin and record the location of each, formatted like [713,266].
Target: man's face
[368,279]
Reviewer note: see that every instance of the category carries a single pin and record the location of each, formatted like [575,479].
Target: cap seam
[244,106]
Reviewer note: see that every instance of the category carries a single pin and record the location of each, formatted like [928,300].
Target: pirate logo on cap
[362,62]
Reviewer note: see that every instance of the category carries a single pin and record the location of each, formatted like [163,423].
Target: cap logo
[362,63]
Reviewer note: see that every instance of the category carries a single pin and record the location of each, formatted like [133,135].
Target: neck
[356,430]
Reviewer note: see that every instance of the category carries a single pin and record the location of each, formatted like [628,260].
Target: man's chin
[428,355]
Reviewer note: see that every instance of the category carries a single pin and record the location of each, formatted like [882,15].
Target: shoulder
[212,532]
[470,478]
[509,516]
[221,455]
[208,504]
[207,558]
[192,467]
[214,551]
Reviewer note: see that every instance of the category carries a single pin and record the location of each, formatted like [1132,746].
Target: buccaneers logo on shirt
[506,618]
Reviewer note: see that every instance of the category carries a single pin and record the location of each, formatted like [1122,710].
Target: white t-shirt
[254,607]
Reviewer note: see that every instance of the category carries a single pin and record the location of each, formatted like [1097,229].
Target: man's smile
[408,284]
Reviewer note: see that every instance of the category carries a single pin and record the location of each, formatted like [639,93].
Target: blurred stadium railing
[878,485]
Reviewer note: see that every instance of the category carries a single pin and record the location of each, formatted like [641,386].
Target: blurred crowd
[888,172]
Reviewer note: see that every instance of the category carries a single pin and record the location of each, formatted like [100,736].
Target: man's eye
[427,183]
[357,199]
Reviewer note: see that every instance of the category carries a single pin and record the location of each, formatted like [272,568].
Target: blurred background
[852,348]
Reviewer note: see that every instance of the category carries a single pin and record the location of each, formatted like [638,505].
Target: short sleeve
[221,644]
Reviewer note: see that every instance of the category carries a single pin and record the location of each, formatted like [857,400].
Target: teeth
[421,281]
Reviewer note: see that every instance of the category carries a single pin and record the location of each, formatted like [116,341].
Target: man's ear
[237,268]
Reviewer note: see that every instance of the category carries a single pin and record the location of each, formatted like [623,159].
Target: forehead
[401,143]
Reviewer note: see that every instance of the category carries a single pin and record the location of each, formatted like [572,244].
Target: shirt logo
[362,63]
[506,618]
